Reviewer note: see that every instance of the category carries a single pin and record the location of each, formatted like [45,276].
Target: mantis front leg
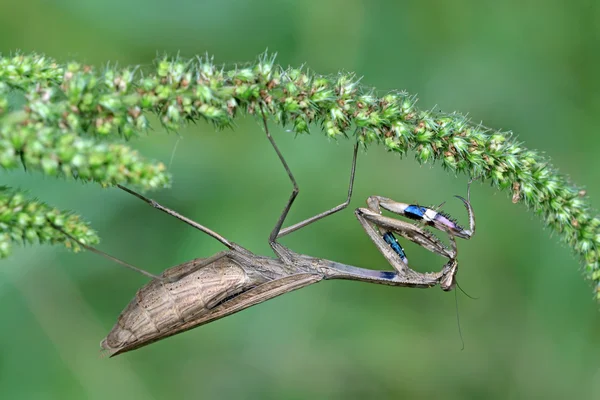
[428,216]
[381,230]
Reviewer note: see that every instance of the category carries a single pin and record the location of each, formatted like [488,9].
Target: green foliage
[70,117]
[30,221]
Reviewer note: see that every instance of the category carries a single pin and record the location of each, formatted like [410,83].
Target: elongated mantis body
[206,289]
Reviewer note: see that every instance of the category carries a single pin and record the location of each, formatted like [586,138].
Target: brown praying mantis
[206,289]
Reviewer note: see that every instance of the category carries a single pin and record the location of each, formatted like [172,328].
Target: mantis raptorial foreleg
[394,253]
[426,215]
[381,230]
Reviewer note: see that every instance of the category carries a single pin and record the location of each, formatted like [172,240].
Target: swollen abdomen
[159,307]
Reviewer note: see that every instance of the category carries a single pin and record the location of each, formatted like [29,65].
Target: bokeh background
[533,332]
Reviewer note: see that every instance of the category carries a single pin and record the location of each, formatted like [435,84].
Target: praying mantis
[203,290]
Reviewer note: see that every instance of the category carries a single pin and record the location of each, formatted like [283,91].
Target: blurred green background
[534,332]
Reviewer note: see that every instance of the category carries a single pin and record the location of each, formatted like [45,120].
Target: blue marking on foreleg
[387,275]
[415,212]
[393,242]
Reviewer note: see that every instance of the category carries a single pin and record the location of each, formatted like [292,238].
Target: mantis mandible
[206,289]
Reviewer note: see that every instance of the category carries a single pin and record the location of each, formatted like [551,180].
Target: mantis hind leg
[180,217]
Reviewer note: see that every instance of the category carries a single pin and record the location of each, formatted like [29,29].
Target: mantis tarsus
[206,289]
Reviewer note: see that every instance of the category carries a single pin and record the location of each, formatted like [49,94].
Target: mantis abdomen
[188,291]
